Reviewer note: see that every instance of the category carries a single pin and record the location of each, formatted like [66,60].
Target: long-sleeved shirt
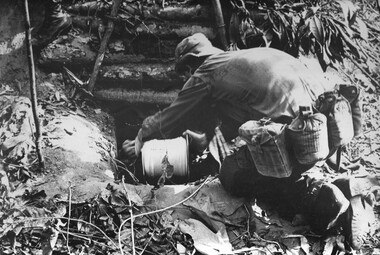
[237,86]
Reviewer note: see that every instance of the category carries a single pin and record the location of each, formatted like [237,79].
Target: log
[187,13]
[118,70]
[75,52]
[117,95]
[170,29]
[155,76]
[161,29]
[197,12]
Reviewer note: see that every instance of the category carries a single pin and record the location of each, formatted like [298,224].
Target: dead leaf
[181,249]
[296,244]
[161,181]
[205,241]
[167,168]
[166,219]
[57,96]
[13,141]
[50,237]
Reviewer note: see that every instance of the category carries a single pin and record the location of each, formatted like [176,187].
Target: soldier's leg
[55,21]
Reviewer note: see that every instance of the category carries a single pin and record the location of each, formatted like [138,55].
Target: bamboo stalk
[220,23]
[103,46]
[33,90]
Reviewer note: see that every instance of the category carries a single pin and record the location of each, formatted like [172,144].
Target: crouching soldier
[232,88]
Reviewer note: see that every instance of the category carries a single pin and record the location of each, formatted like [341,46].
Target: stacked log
[139,62]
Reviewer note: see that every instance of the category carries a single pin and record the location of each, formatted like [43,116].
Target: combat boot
[362,192]
[55,22]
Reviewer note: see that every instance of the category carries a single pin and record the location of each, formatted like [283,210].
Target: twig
[68,221]
[243,250]
[373,27]
[362,49]
[249,218]
[143,251]
[78,85]
[76,235]
[103,46]
[147,243]
[131,212]
[267,241]
[348,76]
[84,238]
[65,218]
[157,211]
[120,164]
[33,90]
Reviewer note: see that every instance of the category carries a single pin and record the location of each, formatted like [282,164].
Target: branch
[103,45]
[33,90]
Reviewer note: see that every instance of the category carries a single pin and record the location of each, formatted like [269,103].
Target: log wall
[140,54]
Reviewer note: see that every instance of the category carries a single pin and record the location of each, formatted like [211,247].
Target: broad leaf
[310,12]
[335,46]
[271,19]
[325,56]
[327,43]
[317,29]
[323,60]
[363,30]
[305,44]
[344,26]
[352,21]
[350,44]
[303,31]
[348,9]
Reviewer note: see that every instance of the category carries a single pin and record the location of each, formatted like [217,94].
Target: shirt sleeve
[180,115]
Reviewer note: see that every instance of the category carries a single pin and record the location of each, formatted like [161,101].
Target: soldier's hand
[128,149]
[198,141]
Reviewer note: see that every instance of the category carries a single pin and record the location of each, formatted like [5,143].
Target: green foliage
[326,29]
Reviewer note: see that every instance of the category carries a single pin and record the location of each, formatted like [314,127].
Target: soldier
[244,85]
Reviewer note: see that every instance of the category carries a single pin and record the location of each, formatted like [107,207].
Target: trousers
[239,177]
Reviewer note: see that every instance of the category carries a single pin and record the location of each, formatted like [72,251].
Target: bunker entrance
[162,161]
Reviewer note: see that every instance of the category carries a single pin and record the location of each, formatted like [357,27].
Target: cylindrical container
[153,153]
[308,135]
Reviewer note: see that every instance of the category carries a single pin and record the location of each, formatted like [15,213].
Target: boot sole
[362,219]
